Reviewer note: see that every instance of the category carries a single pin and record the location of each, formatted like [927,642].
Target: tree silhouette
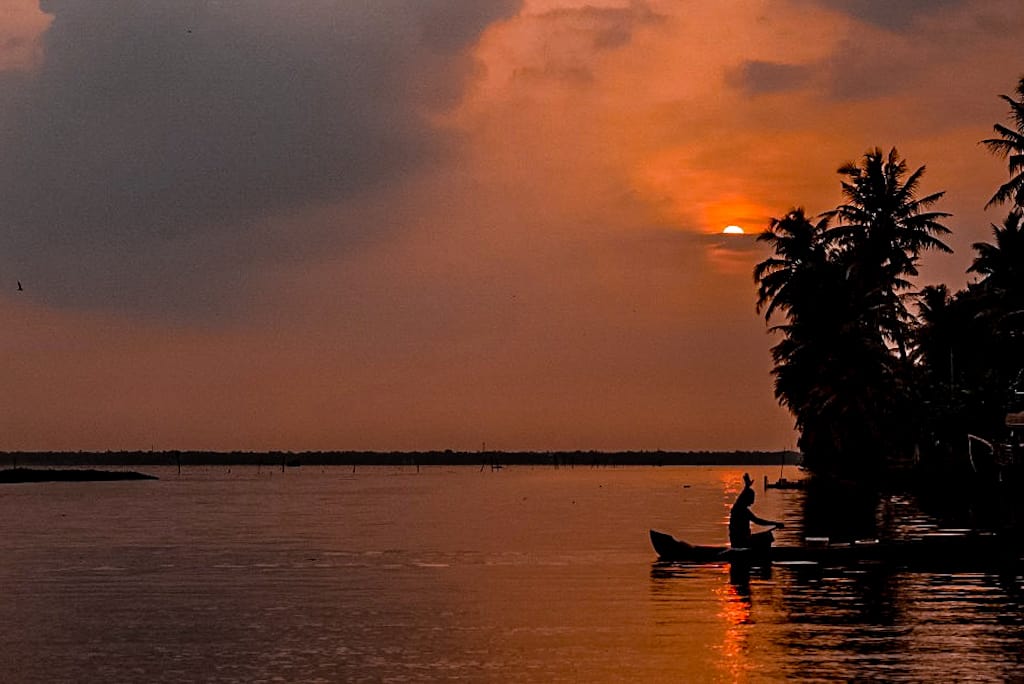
[826,366]
[1009,145]
[794,284]
[1002,262]
[882,229]
[968,344]
[786,281]
[841,290]
[866,380]
[997,304]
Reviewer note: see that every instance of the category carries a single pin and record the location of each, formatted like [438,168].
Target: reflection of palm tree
[1010,146]
[883,228]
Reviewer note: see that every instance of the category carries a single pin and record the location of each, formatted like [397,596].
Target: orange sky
[427,226]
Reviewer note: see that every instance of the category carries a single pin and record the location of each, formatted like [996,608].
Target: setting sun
[733,230]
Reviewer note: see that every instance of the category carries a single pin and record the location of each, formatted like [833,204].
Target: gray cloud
[606,28]
[156,137]
[757,77]
[574,34]
[852,73]
[866,64]
[893,15]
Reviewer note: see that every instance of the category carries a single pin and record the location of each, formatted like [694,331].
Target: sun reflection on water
[735,611]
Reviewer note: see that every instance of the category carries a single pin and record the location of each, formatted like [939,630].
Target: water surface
[524,574]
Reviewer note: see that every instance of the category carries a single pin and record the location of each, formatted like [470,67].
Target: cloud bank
[146,151]
[432,224]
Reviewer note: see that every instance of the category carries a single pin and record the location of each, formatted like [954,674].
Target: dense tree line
[874,372]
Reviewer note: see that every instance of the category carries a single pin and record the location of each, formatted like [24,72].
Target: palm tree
[787,279]
[1010,146]
[968,344]
[842,292]
[836,378]
[1002,263]
[932,336]
[999,298]
[882,229]
[826,366]
[933,302]
[794,284]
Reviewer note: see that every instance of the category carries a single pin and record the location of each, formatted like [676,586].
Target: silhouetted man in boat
[740,518]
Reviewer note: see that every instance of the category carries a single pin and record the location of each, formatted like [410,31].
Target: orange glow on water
[735,613]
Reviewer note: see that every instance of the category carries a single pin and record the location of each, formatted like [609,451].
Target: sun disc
[733,230]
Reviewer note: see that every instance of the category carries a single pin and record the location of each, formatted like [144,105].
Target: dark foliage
[870,384]
[842,366]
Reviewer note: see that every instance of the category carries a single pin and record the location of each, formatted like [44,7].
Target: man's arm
[762,521]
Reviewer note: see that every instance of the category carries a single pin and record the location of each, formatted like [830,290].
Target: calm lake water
[523,574]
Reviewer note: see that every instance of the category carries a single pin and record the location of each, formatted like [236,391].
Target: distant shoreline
[397,458]
[29,475]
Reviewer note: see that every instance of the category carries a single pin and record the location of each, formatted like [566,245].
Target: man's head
[746,497]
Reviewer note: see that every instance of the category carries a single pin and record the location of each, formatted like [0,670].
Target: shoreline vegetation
[882,377]
[398,458]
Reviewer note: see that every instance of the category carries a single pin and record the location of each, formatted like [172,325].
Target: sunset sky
[429,224]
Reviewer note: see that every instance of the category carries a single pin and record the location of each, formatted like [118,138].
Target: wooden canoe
[931,550]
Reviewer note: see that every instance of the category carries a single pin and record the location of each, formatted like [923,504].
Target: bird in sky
[20,288]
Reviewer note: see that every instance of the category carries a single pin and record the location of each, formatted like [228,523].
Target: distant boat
[783,483]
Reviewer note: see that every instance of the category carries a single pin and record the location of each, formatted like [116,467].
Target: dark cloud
[868,65]
[155,137]
[757,77]
[893,15]
[572,36]
[852,73]
[607,28]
